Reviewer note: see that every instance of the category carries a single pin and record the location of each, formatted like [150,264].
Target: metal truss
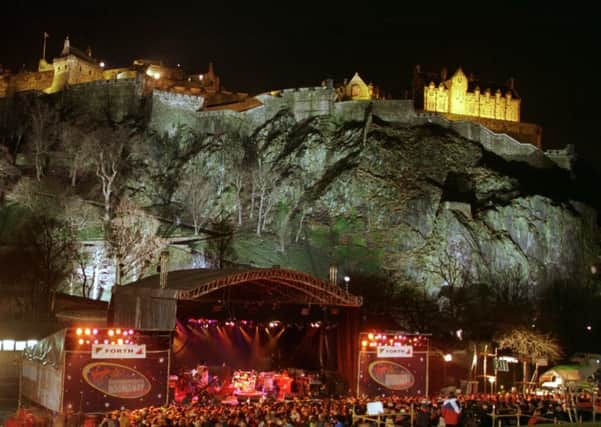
[297,287]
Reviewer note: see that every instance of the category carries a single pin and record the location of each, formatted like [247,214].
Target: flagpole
[44,46]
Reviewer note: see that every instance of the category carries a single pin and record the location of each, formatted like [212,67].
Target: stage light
[370,336]
[118,331]
[106,341]
[131,331]
[95,341]
[79,331]
[111,332]
[120,341]
[87,331]
[80,341]
[94,331]
[87,341]
[364,343]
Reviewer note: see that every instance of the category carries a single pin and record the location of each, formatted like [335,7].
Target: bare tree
[109,159]
[132,240]
[196,194]
[220,246]
[42,122]
[78,149]
[530,345]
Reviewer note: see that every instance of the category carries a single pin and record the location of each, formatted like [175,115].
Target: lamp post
[447,357]
[347,279]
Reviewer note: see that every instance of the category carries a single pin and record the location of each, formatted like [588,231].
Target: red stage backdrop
[392,363]
[97,385]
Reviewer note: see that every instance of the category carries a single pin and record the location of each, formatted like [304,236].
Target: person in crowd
[451,411]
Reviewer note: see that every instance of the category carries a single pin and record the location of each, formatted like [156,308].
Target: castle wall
[309,101]
[102,99]
[524,132]
[170,110]
[29,81]
[388,110]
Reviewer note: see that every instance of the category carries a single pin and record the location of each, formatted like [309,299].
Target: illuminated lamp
[124,333]
[120,341]
[95,341]
[131,331]
[118,331]
[87,331]
[111,332]
[94,331]
[370,336]
[79,331]
[112,342]
[106,341]
[87,341]
[80,341]
[364,343]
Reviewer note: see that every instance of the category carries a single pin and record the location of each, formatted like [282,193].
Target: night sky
[550,52]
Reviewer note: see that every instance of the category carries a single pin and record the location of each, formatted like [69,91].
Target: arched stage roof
[245,285]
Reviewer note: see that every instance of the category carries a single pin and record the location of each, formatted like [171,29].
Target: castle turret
[66,47]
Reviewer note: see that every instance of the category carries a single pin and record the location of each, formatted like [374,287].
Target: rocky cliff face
[425,201]
[418,201]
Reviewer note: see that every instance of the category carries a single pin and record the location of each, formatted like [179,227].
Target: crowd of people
[461,410]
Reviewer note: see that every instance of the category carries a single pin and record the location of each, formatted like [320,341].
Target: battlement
[502,144]
[178,100]
[564,157]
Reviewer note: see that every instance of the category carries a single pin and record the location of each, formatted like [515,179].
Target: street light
[447,357]
[347,279]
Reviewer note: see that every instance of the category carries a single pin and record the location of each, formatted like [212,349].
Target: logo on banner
[391,375]
[395,351]
[118,351]
[116,380]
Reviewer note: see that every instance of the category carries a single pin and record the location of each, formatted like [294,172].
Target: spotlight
[79,331]
[87,331]
[80,341]
[120,341]
[95,331]
[370,336]
[111,332]
[364,343]
[118,331]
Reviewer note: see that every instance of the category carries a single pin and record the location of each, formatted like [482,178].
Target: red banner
[91,385]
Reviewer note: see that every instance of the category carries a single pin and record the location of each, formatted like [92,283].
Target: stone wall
[105,99]
[395,111]
[29,81]
[524,132]
[170,110]
[303,102]
[501,144]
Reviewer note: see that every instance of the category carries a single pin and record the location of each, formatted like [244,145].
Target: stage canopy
[146,305]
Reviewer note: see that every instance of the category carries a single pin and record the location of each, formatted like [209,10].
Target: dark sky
[551,52]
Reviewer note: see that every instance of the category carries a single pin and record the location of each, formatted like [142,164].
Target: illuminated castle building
[74,66]
[493,105]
